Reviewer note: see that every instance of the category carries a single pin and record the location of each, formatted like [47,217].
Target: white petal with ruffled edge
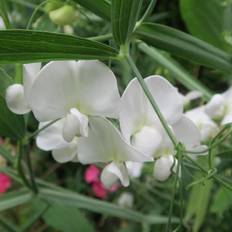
[67,153]
[105,144]
[97,89]
[53,93]
[51,138]
[114,171]
[15,99]
[204,123]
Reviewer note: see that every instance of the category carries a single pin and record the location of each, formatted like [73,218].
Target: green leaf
[124,15]
[6,154]
[27,46]
[198,203]
[222,201]
[178,72]
[66,219]
[14,199]
[213,26]
[184,45]
[99,7]
[68,198]
[11,125]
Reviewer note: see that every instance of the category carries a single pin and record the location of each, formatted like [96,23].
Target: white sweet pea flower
[51,139]
[220,107]
[141,127]
[74,90]
[105,144]
[17,95]
[139,123]
[205,124]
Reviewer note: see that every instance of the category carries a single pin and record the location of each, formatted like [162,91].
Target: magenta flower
[99,190]
[5,183]
[92,174]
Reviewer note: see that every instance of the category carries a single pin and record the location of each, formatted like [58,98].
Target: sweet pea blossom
[220,107]
[105,144]
[208,128]
[141,127]
[17,95]
[74,91]
[5,183]
[51,139]
[126,200]
[92,174]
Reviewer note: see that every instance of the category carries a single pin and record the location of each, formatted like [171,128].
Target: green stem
[31,173]
[39,130]
[152,100]
[19,74]
[168,227]
[34,13]
[215,177]
[148,11]
[19,165]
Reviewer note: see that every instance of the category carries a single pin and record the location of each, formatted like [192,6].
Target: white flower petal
[133,110]
[104,144]
[136,111]
[114,171]
[147,140]
[65,154]
[162,168]
[75,124]
[167,97]
[97,90]
[215,108]
[204,123]
[30,71]
[15,99]
[54,92]
[51,138]
[134,168]
[187,132]
[227,119]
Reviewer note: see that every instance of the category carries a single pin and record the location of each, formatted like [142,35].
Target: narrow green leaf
[14,199]
[27,46]
[6,154]
[99,7]
[178,72]
[124,15]
[73,199]
[72,219]
[11,125]
[184,45]
[213,28]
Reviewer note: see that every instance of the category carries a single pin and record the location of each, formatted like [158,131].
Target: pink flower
[5,183]
[99,190]
[92,174]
